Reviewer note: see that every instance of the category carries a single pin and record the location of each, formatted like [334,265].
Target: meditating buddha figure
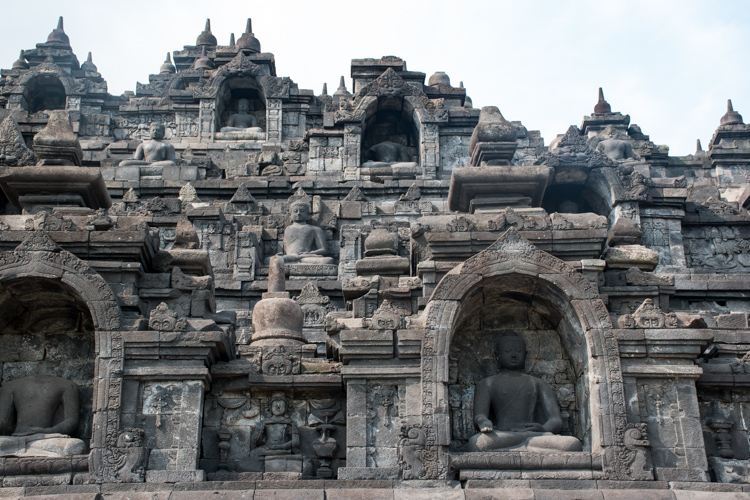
[388,153]
[35,401]
[527,414]
[153,151]
[241,120]
[303,242]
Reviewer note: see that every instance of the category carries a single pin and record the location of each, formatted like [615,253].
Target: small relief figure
[279,439]
[527,414]
[303,242]
[153,151]
[35,400]
[279,435]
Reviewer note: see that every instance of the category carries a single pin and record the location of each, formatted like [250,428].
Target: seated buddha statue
[153,151]
[388,153]
[527,414]
[242,121]
[35,401]
[303,242]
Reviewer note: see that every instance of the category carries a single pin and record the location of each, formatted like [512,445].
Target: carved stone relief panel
[384,419]
[240,427]
[723,249]
[170,414]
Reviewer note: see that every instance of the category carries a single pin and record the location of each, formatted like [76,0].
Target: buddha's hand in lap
[485,425]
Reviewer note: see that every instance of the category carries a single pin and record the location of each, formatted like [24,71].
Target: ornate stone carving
[162,318]
[13,150]
[124,463]
[411,451]
[280,361]
[648,315]
[386,317]
[390,85]
[314,305]
[628,459]
[38,241]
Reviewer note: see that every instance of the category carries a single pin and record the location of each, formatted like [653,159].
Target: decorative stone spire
[493,141]
[203,62]
[12,145]
[57,144]
[325,89]
[699,149]
[89,65]
[439,78]
[58,36]
[168,67]
[248,41]
[188,194]
[342,88]
[130,196]
[232,43]
[276,279]
[277,319]
[731,117]
[21,62]
[602,106]
[206,38]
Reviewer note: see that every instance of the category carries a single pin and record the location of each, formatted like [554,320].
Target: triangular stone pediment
[38,241]
[390,84]
[513,247]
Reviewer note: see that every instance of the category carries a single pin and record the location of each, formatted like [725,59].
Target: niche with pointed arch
[44,92]
[390,121]
[556,351]
[235,89]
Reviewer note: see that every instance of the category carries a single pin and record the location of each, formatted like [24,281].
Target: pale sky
[670,65]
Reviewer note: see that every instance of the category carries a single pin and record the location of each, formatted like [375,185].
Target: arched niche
[514,273]
[45,92]
[47,329]
[570,198]
[390,119]
[556,353]
[38,279]
[243,87]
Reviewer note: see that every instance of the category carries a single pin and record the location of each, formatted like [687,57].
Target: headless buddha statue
[35,401]
[527,414]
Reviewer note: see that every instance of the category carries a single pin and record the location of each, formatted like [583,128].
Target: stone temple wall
[259,292]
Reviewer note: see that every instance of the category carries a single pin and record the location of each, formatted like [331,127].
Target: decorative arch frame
[38,256]
[51,69]
[513,255]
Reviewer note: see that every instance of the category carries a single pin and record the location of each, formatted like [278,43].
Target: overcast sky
[670,65]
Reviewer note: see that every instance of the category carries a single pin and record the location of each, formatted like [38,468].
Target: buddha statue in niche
[242,121]
[303,242]
[153,151]
[388,154]
[35,400]
[526,410]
